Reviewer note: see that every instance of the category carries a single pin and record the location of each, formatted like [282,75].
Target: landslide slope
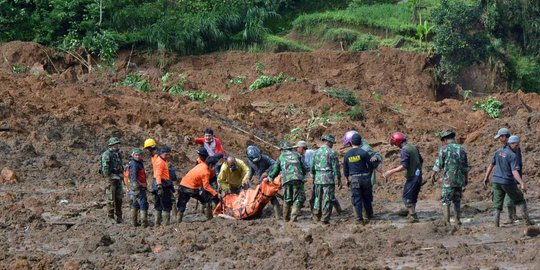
[60,118]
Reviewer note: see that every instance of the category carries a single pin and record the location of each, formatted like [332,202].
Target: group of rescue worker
[217,174]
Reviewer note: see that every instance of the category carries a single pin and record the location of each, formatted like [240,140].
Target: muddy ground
[59,118]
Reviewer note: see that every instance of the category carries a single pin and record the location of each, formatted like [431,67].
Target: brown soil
[54,216]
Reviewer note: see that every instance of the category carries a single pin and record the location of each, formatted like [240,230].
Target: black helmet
[253,153]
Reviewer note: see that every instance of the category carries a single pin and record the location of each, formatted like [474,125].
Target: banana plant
[423,30]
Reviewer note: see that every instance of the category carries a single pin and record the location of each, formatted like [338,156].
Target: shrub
[266,81]
[365,43]
[359,3]
[136,81]
[341,35]
[345,95]
[526,73]
[356,113]
[490,105]
[276,44]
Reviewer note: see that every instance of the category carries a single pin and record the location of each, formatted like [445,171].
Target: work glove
[160,191]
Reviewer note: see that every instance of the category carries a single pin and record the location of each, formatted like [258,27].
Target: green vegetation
[137,81]
[345,95]
[490,105]
[277,44]
[341,35]
[18,69]
[259,68]
[376,96]
[356,113]
[266,81]
[240,79]
[365,42]
[467,94]
[394,18]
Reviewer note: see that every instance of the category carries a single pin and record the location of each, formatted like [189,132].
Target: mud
[59,120]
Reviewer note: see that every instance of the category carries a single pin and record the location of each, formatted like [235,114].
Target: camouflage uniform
[291,167]
[325,169]
[111,167]
[453,164]
[366,147]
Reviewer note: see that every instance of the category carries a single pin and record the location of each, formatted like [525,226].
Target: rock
[37,69]
[8,176]
[532,231]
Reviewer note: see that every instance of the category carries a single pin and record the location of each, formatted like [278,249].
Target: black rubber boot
[134,217]
[525,214]
[286,212]
[497,218]
[144,218]
[159,217]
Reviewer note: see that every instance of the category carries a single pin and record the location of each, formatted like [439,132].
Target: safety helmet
[113,141]
[285,145]
[447,133]
[397,138]
[253,153]
[348,137]
[202,151]
[137,151]
[329,138]
[149,143]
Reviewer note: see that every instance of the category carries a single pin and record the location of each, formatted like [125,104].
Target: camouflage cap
[285,145]
[329,138]
[301,144]
[137,151]
[113,141]
[445,133]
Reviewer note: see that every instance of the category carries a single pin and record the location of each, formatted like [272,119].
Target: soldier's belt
[361,174]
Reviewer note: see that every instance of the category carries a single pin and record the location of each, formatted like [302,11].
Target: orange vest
[198,177]
[161,170]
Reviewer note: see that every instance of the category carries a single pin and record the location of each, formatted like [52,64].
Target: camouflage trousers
[324,195]
[508,202]
[294,193]
[451,195]
[113,193]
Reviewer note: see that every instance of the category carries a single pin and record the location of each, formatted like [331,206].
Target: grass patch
[395,18]
[266,81]
[341,35]
[18,69]
[198,96]
[345,95]
[277,44]
[138,82]
[490,105]
[365,42]
[356,113]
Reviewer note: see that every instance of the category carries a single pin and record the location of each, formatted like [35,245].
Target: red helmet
[397,138]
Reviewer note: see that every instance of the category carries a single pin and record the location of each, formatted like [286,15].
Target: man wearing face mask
[259,166]
[112,169]
[233,175]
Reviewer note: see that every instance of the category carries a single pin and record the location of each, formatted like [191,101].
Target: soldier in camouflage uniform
[112,169]
[291,167]
[325,170]
[453,166]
